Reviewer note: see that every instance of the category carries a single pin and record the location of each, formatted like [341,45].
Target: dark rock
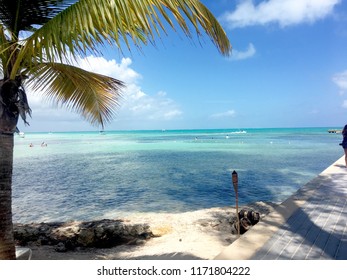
[68,236]
[60,247]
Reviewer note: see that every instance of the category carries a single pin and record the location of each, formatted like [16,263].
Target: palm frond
[92,95]
[3,49]
[19,15]
[87,24]
[8,52]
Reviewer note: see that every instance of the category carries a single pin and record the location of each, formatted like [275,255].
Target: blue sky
[288,69]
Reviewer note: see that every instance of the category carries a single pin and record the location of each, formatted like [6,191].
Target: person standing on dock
[344,142]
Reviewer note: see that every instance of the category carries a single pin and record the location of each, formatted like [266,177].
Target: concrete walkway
[311,224]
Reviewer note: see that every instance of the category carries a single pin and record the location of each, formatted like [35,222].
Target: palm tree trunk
[7,245]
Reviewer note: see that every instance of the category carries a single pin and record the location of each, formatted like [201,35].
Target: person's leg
[345,156]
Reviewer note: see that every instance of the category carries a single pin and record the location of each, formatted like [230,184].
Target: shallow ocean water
[92,175]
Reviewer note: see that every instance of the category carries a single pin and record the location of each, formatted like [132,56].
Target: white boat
[21,134]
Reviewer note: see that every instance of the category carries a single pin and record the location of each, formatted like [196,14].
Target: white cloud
[240,55]
[282,12]
[140,106]
[344,104]
[111,68]
[340,79]
[172,114]
[136,104]
[223,115]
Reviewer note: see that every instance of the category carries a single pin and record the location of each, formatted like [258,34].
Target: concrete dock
[311,224]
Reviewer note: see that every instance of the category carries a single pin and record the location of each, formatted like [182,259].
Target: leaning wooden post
[235,184]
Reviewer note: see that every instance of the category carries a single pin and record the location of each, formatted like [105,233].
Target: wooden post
[235,184]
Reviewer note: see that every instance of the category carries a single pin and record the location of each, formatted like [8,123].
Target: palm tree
[40,38]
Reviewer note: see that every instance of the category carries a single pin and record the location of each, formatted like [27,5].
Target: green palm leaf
[90,94]
[3,48]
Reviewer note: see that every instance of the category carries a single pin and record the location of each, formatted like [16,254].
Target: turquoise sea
[93,175]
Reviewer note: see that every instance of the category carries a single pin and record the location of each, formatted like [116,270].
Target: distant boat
[21,134]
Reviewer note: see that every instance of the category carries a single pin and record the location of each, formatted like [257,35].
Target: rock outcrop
[67,236]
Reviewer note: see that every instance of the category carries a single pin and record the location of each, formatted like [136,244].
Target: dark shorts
[344,144]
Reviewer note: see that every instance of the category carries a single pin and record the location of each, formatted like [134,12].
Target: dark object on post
[246,219]
[251,215]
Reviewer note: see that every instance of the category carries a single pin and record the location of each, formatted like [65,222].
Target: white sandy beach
[201,234]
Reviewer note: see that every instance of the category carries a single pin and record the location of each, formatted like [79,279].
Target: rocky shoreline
[70,235]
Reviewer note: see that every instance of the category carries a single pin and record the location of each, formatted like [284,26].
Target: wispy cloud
[140,106]
[223,115]
[340,79]
[241,55]
[281,12]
